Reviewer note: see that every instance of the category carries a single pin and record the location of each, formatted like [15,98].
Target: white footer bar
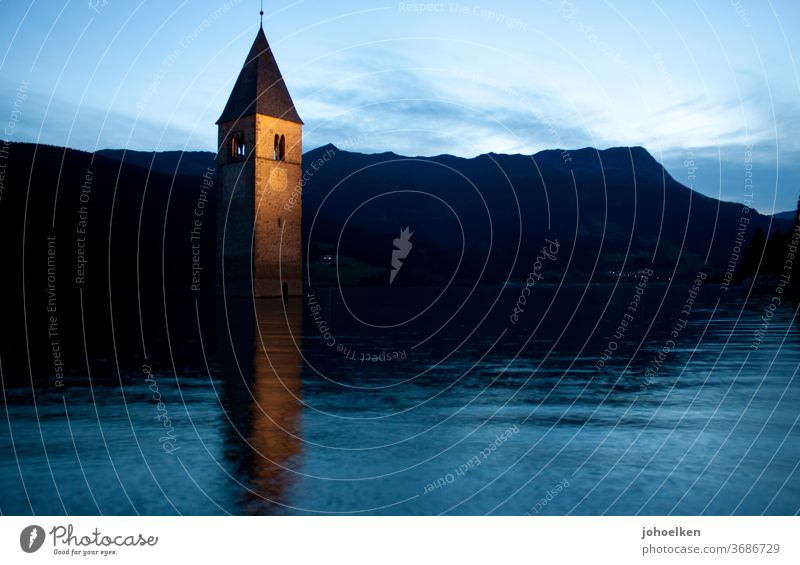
[401,540]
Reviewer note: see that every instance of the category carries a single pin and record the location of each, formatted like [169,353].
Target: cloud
[64,123]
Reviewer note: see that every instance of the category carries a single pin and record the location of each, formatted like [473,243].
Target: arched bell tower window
[279,148]
[238,150]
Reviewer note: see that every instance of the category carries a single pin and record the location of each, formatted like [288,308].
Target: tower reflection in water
[259,354]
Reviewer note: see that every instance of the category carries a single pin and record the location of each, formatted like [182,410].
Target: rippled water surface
[369,403]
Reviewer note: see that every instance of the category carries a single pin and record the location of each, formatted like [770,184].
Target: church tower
[259,244]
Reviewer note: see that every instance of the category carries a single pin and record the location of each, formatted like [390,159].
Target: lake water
[405,401]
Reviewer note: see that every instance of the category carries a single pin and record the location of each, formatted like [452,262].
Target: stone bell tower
[259,246]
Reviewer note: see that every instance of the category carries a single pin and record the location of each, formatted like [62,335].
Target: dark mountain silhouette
[764,262]
[612,211]
[88,240]
[168,162]
[116,232]
[788,215]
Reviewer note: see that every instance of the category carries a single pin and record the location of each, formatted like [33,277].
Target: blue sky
[694,83]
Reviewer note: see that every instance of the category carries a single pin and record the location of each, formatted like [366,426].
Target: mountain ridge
[618,209]
[198,160]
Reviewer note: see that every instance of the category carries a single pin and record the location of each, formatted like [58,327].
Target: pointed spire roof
[260,88]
